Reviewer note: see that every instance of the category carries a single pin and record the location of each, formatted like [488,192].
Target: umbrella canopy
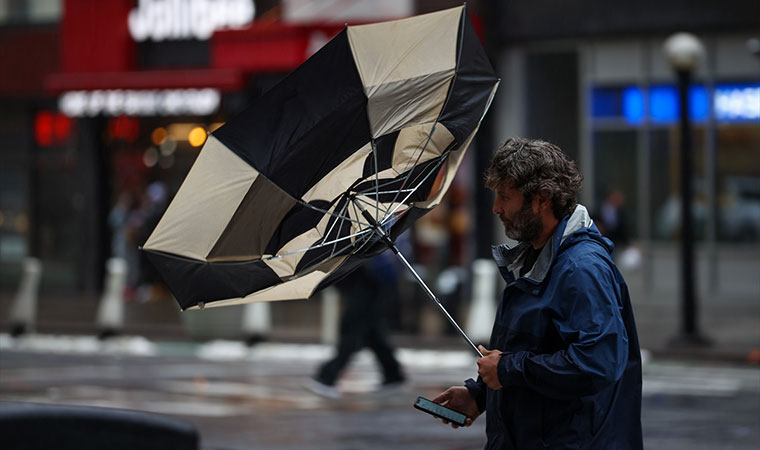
[377,121]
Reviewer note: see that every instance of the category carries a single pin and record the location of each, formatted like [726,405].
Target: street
[253,398]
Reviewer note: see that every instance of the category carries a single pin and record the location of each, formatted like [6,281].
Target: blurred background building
[105,106]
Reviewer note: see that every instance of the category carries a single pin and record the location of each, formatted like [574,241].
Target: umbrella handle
[392,245]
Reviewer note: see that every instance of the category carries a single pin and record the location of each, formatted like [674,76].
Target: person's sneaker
[321,389]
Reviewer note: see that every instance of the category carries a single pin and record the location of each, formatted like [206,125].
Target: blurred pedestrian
[363,324]
[142,222]
[564,366]
[121,244]
[611,218]
[117,221]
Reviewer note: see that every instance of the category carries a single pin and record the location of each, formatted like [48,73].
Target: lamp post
[684,52]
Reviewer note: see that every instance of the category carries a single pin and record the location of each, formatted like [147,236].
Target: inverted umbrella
[327,168]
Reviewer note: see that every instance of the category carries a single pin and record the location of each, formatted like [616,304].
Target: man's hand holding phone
[458,398]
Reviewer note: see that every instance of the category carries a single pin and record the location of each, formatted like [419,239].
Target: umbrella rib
[337,217]
[435,170]
[382,185]
[385,192]
[358,199]
[325,211]
[313,247]
[387,212]
[409,174]
[385,215]
[334,242]
[425,175]
[365,239]
[357,214]
[345,207]
[377,178]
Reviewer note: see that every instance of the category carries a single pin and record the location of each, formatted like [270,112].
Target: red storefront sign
[98,52]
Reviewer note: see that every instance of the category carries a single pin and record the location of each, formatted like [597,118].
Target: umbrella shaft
[437,302]
[384,235]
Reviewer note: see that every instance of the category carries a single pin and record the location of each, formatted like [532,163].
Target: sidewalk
[733,327]
[728,307]
[729,317]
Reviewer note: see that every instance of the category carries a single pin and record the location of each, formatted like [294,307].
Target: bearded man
[563,368]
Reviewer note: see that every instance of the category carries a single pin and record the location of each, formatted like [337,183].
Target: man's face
[522,222]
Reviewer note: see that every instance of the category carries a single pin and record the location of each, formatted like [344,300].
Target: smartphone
[440,411]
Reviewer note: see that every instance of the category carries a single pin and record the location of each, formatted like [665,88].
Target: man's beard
[525,226]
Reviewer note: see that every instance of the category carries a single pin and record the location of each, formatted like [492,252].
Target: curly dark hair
[532,166]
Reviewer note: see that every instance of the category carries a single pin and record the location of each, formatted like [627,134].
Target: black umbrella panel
[374,125]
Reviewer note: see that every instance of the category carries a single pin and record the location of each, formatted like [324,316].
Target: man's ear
[544,200]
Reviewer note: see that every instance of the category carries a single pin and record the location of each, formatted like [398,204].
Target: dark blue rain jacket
[570,365]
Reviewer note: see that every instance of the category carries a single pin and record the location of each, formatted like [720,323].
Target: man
[564,368]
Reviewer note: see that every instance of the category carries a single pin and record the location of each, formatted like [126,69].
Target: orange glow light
[197,136]
[159,135]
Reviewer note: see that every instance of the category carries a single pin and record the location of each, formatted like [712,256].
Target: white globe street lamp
[684,51]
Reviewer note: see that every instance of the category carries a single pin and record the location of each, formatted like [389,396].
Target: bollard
[483,304]
[257,322]
[110,317]
[330,315]
[24,311]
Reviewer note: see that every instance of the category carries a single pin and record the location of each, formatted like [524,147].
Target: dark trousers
[362,325]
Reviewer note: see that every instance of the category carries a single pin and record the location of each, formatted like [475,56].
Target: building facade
[592,76]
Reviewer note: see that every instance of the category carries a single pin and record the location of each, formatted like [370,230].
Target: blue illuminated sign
[605,102]
[633,104]
[731,102]
[699,103]
[737,102]
[663,103]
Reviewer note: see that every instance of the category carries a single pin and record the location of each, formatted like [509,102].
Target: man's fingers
[487,352]
[453,425]
[442,398]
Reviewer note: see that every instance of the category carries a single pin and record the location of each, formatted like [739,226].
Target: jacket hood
[571,229]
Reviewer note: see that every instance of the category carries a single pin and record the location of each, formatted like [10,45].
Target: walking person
[611,218]
[363,324]
[563,367]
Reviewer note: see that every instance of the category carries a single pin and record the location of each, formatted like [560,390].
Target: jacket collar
[510,259]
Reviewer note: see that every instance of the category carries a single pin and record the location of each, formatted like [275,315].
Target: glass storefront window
[665,183]
[14,192]
[616,171]
[738,182]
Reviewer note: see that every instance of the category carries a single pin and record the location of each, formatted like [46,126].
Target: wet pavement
[253,398]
